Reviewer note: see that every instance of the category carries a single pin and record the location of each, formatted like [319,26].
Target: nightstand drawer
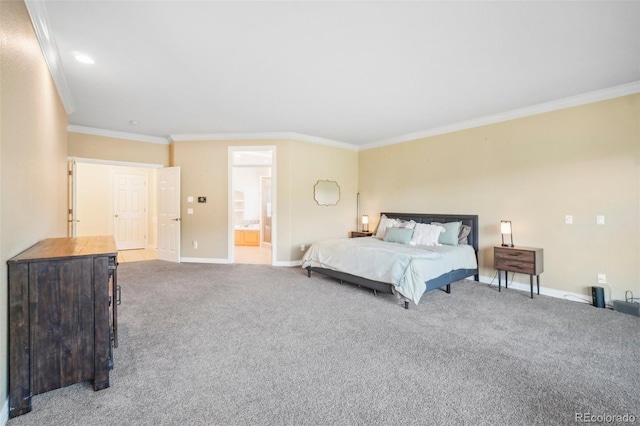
[357,234]
[515,265]
[514,255]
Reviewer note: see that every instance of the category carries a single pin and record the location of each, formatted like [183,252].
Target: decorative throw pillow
[463,239]
[384,223]
[426,235]
[450,234]
[398,235]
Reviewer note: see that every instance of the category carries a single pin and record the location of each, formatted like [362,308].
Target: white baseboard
[567,295]
[203,260]
[289,263]
[227,261]
[4,415]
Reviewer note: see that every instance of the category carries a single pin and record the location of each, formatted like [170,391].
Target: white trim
[115,163]
[211,260]
[586,98]
[39,18]
[4,414]
[116,134]
[288,263]
[204,260]
[544,291]
[262,136]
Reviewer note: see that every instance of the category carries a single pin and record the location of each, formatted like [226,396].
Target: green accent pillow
[398,235]
[450,236]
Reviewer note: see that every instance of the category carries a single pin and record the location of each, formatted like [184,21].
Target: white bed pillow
[384,223]
[426,235]
[409,224]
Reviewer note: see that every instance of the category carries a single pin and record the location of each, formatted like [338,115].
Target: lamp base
[507,245]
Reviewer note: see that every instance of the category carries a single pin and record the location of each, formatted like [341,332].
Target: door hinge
[70,172]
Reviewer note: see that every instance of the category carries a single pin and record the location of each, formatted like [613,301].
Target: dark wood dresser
[62,316]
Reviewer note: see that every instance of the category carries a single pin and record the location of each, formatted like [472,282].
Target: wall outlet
[602,279]
[194,244]
[303,247]
[568,219]
[599,219]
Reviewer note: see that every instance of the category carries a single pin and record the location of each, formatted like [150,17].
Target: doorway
[252,200]
[114,198]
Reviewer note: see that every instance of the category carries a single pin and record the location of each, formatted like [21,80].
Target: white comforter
[406,267]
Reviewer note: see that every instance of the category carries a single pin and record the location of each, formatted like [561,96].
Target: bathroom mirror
[326,192]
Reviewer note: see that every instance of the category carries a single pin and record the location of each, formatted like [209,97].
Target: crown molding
[102,162]
[583,99]
[39,18]
[263,136]
[586,98]
[115,134]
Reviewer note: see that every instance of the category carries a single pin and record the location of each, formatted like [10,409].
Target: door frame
[274,198]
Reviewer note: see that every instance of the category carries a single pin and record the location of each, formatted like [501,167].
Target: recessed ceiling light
[85,59]
[134,122]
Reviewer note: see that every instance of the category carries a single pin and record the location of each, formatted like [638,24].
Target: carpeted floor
[261,345]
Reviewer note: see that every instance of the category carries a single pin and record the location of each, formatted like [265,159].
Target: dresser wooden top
[66,247]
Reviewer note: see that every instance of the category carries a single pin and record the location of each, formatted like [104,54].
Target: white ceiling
[349,71]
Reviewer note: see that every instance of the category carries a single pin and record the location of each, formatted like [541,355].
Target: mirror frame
[324,194]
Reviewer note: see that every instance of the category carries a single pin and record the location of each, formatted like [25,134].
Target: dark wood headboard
[466,219]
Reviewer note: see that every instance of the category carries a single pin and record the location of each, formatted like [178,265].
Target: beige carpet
[261,345]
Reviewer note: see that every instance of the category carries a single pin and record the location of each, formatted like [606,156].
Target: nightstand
[356,234]
[526,260]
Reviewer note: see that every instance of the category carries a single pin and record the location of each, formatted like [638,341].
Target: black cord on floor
[628,297]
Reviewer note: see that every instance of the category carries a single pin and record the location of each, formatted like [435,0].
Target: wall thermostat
[202,199]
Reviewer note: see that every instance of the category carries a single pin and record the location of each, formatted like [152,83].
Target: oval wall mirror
[326,192]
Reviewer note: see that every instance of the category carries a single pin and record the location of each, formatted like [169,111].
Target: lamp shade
[365,223]
[505,226]
[505,229]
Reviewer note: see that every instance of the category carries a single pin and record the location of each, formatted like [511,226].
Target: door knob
[115,215]
[177,219]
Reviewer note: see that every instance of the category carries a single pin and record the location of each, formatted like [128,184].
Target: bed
[404,270]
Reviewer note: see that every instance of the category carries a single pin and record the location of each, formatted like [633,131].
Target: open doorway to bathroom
[251,204]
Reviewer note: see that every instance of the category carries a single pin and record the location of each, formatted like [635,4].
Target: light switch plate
[189,199]
[600,220]
[568,219]
[189,211]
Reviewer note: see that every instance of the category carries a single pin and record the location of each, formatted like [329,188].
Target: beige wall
[33,151]
[582,161]
[298,166]
[83,145]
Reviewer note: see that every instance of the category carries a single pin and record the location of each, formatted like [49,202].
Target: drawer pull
[118,295]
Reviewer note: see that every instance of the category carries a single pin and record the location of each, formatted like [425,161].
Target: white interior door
[130,210]
[169,214]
